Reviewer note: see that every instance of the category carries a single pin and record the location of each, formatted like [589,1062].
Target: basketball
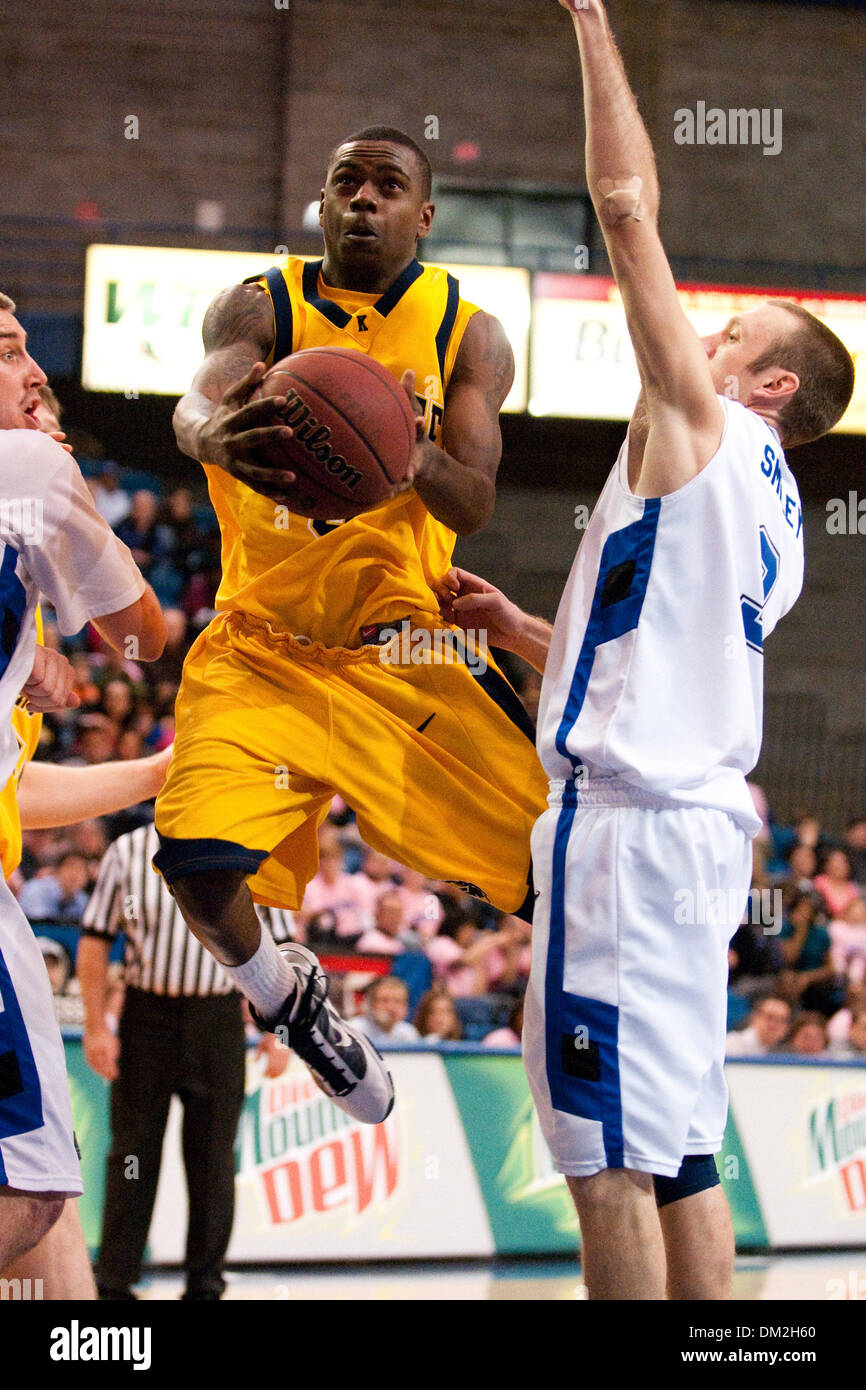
[354,430]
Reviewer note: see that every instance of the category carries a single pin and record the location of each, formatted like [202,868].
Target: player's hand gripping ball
[353,431]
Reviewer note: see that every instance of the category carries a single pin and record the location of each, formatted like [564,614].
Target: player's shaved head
[392,136]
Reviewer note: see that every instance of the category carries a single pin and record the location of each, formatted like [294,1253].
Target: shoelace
[297,1018]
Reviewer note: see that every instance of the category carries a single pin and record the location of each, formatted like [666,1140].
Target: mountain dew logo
[837,1139]
[308,1158]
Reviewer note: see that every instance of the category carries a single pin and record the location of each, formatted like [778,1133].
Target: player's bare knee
[604,1193]
[27,1218]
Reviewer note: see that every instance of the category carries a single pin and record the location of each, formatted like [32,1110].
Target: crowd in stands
[457,968]
[798,961]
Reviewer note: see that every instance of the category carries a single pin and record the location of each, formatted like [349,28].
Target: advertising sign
[144,306]
[582,360]
[460,1167]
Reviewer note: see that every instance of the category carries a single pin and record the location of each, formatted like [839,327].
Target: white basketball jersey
[53,541]
[655,670]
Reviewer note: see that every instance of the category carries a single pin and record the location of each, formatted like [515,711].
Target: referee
[181,1033]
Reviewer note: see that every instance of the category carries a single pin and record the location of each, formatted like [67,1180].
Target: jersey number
[753,612]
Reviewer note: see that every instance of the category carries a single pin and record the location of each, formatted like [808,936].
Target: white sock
[266,978]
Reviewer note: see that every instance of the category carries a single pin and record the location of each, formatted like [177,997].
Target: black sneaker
[344,1063]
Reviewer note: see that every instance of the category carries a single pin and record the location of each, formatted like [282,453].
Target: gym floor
[789,1277]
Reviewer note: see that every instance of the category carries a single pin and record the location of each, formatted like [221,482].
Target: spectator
[809,977]
[130,745]
[333,890]
[199,595]
[85,686]
[176,520]
[107,663]
[89,839]
[834,882]
[855,848]
[377,873]
[138,529]
[57,963]
[177,550]
[59,896]
[109,497]
[840,1024]
[756,958]
[96,739]
[767,1029]
[36,851]
[802,866]
[854,1044]
[158,731]
[386,1004]
[848,941]
[390,933]
[511,1034]
[118,702]
[807,829]
[809,1036]
[436,1017]
[473,961]
[421,908]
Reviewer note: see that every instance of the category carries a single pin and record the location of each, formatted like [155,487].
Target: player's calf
[218,908]
[697,1232]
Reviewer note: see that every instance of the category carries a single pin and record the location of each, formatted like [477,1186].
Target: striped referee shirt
[162,955]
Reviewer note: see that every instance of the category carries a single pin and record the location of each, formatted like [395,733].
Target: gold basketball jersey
[327,580]
[27,728]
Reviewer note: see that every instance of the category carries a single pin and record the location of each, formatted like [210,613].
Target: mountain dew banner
[461,1169]
[803,1127]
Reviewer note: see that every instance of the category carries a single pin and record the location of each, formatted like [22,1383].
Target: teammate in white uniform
[52,540]
[650,720]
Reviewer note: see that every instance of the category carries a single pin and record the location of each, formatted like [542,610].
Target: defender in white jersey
[650,720]
[52,540]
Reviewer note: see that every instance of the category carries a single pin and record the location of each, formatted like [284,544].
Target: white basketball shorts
[37,1145]
[624,1029]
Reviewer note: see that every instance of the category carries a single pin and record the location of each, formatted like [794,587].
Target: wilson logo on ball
[353,432]
[314,437]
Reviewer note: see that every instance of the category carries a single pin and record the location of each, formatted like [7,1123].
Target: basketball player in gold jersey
[285,698]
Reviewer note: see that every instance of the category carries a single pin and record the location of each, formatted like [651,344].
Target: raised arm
[457,483]
[685,418]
